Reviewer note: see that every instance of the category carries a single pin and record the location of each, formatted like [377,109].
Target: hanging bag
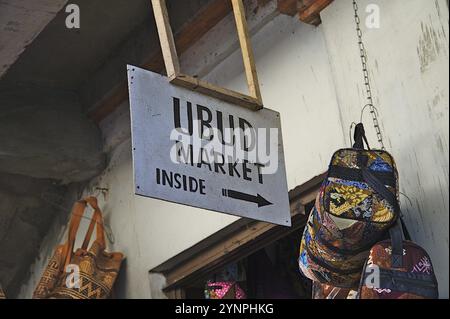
[323,291]
[98,269]
[355,207]
[398,269]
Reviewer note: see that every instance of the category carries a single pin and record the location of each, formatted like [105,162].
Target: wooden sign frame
[252,101]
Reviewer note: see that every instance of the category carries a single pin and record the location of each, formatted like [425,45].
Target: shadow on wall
[46,144]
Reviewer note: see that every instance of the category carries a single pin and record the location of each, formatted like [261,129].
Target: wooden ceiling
[307,10]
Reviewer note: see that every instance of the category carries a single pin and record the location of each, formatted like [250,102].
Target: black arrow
[258,199]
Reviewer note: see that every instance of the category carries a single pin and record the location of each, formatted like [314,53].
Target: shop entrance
[269,273]
[261,258]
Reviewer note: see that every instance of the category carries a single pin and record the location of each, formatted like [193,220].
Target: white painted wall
[317,102]
[408,59]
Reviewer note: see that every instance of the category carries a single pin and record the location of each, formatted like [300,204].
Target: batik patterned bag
[356,205]
[398,269]
[323,291]
[224,290]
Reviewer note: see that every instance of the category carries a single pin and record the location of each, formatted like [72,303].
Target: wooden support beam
[288,7]
[224,94]
[309,10]
[166,39]
[247,51]
[252,101]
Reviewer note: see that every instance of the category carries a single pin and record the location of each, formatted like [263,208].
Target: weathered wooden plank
[246,49]
[288,7]
[169,51]
[309,11]
[224,94]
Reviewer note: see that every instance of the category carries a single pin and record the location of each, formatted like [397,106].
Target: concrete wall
[317,100]
[408,59]
[20,22]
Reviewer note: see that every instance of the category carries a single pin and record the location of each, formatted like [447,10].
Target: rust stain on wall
[429,46]
[437,107]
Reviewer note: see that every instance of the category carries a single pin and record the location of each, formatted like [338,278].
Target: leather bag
[85,273]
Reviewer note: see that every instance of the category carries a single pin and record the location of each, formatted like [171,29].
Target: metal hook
[373,109]
[101,190]
[406,196]
[108,230]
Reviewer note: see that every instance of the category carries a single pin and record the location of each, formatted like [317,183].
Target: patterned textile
[415,280]
[319,263]
[224,290]
[49,278]
[348,218]
[322,291]
[97,269]
[98,272]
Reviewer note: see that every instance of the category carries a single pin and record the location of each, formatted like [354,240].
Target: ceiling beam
[189,34]
[288,7]
[308,10]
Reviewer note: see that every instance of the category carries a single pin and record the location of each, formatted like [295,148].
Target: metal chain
[363,55]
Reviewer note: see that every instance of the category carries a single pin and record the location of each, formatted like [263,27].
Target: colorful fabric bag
[398,269]
[224,290]
[323,291]
[98,269]
[355,207]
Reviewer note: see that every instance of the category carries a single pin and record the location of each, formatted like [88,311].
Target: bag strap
[77,213]
[359,137]
[96,220]
[397,236]
[396,231]
[380,188]
[333,293]
[406,234]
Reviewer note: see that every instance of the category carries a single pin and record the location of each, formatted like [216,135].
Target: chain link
[363,55]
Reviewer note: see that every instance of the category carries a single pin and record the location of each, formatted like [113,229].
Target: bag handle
[96,220]
[359,137]
[396,233]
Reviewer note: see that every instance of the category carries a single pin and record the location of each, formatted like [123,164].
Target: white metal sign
[196,150]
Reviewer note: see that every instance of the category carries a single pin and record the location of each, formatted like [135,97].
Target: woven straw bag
[85,273]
